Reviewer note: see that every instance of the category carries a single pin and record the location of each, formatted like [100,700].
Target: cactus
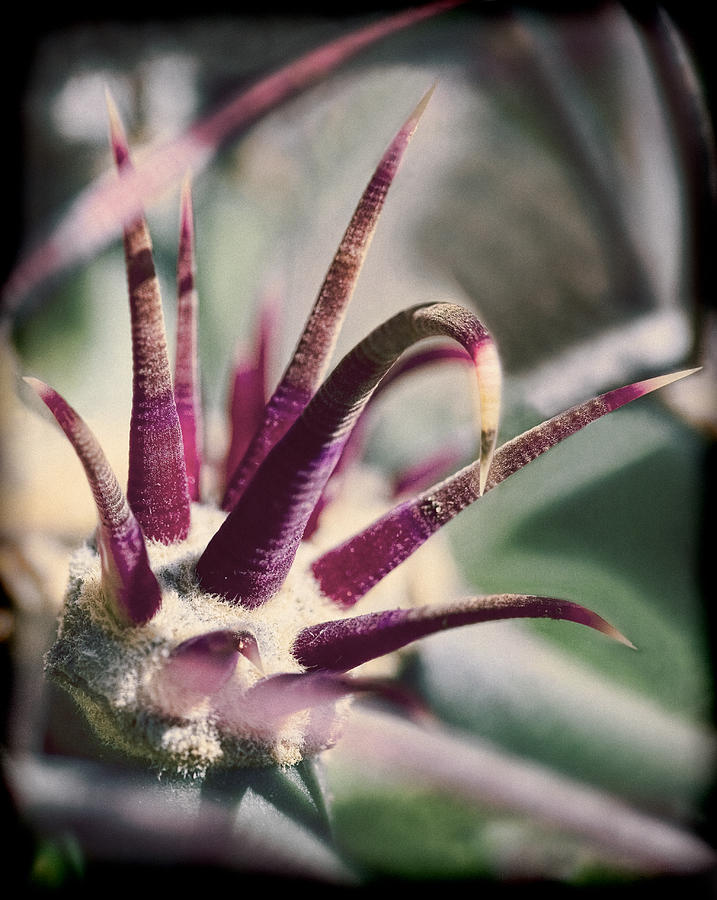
[218,639]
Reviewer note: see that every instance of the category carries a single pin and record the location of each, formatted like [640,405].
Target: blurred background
[558,185]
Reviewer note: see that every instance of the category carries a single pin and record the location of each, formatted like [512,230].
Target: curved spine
[249,557]
[200,667]
[94,218]
[419,475]
[127,578]
[343,644]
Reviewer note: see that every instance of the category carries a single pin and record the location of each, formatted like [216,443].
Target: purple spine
[250,556]
[157,481]
[348,571]
[127,577]
[186,370]
[311,357]
[346,643]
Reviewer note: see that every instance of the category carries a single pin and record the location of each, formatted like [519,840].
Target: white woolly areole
[115,671]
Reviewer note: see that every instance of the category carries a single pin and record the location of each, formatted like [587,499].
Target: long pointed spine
[313,352]
[249,557]
[87,225]
[349,571]
[186,371]
[157,481]
[343,644]
[127,577]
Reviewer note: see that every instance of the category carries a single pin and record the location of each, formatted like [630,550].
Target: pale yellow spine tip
[113,113]
[414,118]
[34,383]
[425,100]
[618,636]
[185,201]
[663,380]
[487,449]
[43,391]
